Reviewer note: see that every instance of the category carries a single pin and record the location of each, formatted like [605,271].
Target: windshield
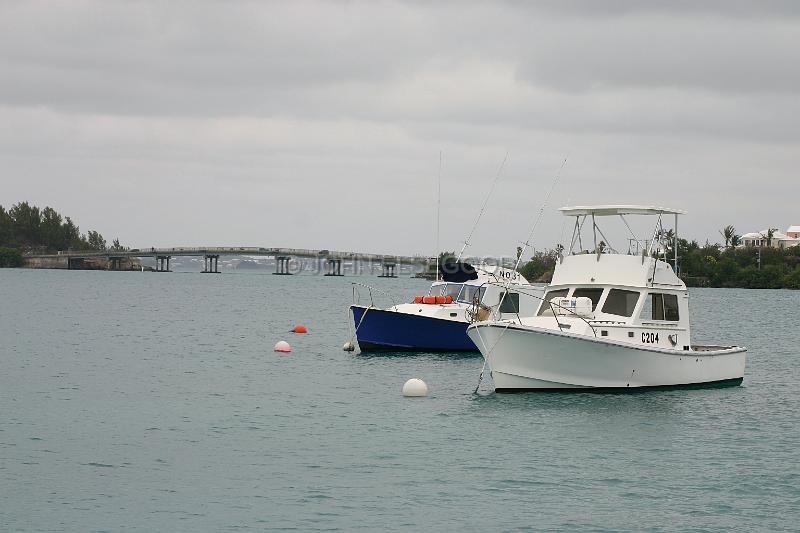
[592,293]
[471,292]
[558,293]
[453,289]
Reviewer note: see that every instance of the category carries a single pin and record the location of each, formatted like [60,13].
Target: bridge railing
[243,250]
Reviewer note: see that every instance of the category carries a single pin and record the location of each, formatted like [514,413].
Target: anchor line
[350,323]
[488,353]
[356,300]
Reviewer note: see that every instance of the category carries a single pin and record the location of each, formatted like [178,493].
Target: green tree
[70,235]
[96,241]
[728,232]
[770,235]
[50,229]
[10,258]
[6,228]
[541,266]
[26,227]
[792,280]
[27,223]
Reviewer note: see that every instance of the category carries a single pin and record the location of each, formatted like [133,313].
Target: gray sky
[319,124]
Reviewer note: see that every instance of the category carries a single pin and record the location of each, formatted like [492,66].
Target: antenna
[438,213]
[483,207]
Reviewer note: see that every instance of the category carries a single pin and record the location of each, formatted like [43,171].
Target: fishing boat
[438,320]
[609,320]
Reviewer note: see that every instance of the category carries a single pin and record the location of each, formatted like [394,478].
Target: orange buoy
[429,299]
[448,299]
[299,329]
[418,299]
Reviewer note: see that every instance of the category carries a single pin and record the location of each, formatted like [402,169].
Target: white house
[779,239]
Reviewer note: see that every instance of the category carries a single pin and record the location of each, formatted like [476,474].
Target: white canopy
[613,210]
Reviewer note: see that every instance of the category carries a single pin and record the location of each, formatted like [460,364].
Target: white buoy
[348,347]
[414,388]
[283,346]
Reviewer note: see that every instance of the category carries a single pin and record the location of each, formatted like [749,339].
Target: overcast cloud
[319,124]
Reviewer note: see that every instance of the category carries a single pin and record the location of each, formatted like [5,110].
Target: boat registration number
[649,338]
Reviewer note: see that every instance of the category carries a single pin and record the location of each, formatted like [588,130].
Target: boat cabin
[630,296]
[463,286]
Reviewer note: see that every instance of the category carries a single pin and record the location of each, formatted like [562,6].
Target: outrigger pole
[519,260]
[483,207]
[527,242]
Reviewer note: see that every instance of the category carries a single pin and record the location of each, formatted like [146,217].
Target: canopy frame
[651,246]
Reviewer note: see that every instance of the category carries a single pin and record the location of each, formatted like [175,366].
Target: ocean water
[154,402]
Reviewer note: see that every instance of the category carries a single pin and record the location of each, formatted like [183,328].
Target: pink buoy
[283,346]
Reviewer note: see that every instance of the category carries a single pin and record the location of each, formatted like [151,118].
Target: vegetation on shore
[10,258]
[26,228]
[432,271]
[710,265]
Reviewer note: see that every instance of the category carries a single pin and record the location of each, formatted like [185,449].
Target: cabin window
[436,290]
[620,302]
[545,307]
[470,293]
[592,293]
[510,303]
[452,290]
[661,307]
[670,307]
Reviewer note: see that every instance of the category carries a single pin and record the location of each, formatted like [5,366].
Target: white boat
[438,321]
[607,321]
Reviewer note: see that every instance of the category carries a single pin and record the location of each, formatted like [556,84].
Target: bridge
[72,259]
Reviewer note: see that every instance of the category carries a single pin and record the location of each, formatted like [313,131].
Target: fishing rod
[527,243]
[525,246]
[483,207]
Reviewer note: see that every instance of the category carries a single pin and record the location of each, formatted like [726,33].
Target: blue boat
[437,322]
[393,331]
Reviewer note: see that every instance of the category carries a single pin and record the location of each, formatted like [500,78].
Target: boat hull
[536,359]
[392,331]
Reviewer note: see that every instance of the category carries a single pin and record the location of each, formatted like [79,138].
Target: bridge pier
[282,265]
[114,263]
[211,264]
[388,270]
[162,263]
[334,267]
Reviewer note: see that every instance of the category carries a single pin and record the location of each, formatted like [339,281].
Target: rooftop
[776,236]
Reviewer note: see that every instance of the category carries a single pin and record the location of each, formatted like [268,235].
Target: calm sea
[154,402]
